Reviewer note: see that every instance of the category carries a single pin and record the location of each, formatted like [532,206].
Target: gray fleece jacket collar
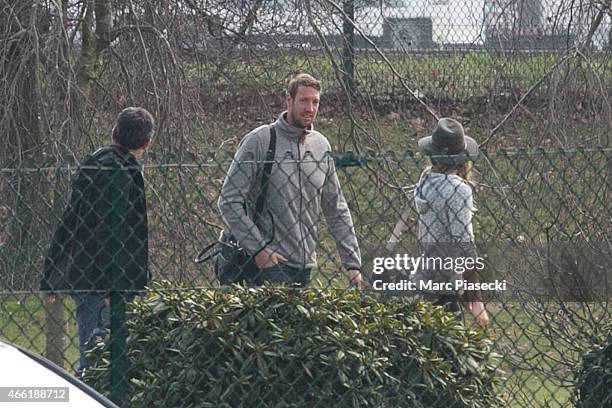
[292,132]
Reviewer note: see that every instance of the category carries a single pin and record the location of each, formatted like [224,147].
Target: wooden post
[55,330]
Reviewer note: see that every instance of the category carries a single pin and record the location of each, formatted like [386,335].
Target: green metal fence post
[118,286]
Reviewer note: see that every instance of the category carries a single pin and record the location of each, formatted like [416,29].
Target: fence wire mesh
[530,80]
[543,223]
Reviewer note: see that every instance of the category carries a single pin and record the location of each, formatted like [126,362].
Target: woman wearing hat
[445,205]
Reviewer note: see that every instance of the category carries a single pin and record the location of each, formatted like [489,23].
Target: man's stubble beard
[297,122]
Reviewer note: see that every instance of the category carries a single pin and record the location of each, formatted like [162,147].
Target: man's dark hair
[303,80]
[133,128]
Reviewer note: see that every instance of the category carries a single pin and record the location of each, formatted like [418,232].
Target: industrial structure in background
[409,33]
[518,24]
[531,25]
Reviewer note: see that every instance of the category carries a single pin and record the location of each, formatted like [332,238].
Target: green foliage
[274,346]
[595,374]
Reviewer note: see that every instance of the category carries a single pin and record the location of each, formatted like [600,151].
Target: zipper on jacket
[299,169]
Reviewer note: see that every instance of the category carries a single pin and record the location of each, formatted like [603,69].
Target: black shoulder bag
[232,262]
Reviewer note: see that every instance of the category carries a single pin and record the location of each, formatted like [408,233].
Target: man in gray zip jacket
[302,185]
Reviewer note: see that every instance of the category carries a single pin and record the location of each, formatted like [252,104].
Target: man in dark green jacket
[105,225]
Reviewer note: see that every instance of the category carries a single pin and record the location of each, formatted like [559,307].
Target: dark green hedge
[279,347]
[595,374]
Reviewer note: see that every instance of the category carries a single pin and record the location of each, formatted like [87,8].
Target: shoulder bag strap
[265,178]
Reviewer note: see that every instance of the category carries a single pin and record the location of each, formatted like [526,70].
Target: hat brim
[470,153]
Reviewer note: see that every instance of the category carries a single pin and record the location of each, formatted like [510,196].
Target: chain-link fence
[542,224]
[519,75]
[204,67]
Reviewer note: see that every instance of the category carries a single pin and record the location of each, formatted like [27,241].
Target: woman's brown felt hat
[449,143]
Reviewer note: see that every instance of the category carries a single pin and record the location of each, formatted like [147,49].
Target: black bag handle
[204,254]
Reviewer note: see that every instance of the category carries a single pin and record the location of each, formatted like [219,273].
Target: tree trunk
[104,24]
[92,45]
[87,59]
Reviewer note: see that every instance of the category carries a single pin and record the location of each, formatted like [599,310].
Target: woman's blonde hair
[463,170]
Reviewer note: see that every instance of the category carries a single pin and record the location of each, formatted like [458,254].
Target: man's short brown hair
[133,128]
[303,80]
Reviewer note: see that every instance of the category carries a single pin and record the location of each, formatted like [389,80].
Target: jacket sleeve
[235,192]
[461,211]
[55,264]
[339,219]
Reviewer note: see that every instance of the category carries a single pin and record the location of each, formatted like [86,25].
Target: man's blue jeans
[93,318]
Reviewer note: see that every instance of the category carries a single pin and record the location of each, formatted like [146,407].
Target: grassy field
[442,75]
[22,322]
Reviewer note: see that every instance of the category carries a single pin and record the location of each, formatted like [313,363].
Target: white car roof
[21,368]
